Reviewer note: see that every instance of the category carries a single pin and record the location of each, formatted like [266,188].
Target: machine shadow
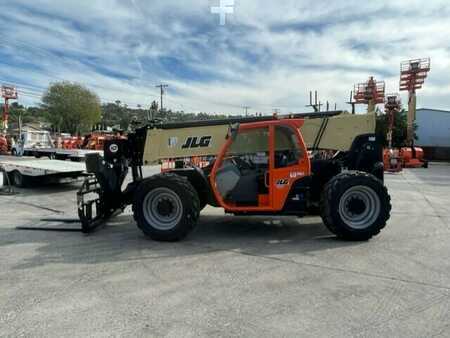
[121,240]
[36,188]
[266,235]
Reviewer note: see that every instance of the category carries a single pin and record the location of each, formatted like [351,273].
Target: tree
[30,114]
[17,111]
[114,114]
[71,107]
[399,130]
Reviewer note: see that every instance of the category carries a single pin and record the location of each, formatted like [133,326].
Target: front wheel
[355,206]
[166,207]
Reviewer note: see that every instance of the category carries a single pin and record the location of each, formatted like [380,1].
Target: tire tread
[327,202]
[192,214]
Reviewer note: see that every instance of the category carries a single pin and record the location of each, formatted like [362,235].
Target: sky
[268,55]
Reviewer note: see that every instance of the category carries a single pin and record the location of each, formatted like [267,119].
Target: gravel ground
[233,276]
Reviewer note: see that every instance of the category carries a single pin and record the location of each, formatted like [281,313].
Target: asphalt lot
[233,276]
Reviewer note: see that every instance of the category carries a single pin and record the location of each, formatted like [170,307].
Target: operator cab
[258,161]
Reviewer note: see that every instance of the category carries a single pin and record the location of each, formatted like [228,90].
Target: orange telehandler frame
[262,167]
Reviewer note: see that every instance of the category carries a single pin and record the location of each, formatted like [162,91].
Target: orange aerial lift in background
[370,93]
[412,77]
[8,93]
[392,158]
[3,145]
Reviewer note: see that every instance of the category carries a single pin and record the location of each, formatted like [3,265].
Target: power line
[182,105]
[43,51]
[37,92]
[39,49]
[18,84]
[29,95]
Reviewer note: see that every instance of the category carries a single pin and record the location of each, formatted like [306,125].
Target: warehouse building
[433,132]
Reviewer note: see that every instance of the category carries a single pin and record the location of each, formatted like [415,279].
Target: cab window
[287,147]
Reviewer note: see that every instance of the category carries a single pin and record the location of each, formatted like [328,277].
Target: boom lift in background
[258,166]
[412,77]
[369,93]
[4,144]
[393,161]
[8,93]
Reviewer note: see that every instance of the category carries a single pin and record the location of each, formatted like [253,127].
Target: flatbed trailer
[76,155]
[23,171]
[38,143]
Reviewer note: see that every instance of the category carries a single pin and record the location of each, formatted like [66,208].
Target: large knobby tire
[166,207]
[355,206]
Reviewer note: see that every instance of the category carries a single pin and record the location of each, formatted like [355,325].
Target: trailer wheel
[355,206]
[166,207]
[18,179]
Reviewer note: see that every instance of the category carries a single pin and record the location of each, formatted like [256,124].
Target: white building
[433,132]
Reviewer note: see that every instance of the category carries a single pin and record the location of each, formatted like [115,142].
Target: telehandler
[257,166]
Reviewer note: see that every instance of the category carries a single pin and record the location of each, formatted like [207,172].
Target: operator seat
[236,187]
[227,178]
[246,190]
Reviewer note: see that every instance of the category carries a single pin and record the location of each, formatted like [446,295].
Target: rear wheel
[166,207]
[355,206]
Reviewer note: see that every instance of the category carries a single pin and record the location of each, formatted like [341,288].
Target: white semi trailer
[23,171]
[38,143]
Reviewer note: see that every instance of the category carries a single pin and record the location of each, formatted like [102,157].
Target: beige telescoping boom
[333,133]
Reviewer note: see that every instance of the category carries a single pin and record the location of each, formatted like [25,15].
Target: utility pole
[246,108]
[161,87]
[316,105]
[352,102]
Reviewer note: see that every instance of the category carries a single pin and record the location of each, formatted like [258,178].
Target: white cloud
[269,55]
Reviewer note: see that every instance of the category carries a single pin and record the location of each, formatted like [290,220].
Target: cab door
[288,162]
[258,165]
[241,175]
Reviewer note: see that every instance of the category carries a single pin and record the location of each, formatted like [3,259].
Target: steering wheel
[241,164]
